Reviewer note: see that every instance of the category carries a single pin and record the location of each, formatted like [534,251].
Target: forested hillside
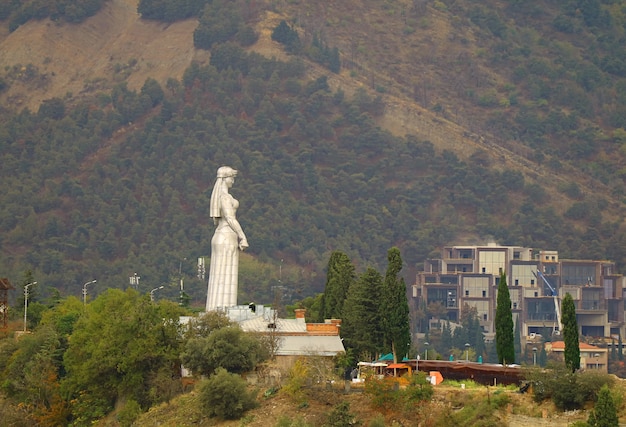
[116,180]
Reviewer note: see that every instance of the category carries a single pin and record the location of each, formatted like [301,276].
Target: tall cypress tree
[339,277]
[446,338]
[395,307]
[518,340]
[361,326]
[505,343]
[570,333]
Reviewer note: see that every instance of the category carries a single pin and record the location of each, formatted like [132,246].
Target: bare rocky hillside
[113,46]
[46,59]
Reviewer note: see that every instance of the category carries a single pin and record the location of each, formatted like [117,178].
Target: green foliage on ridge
[105,190]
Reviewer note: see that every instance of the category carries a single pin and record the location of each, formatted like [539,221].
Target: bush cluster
[225,395]
[568,390]
[386,394]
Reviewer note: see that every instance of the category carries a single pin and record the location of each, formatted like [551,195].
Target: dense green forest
[118,184]
[123,184]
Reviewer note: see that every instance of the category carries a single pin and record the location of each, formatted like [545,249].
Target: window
[532,282]
[484,294]
[536,294]
[466,293]
[485,316]
[484,270]
[516,282]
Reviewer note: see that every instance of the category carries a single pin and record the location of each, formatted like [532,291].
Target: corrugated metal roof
[283,326]
[319,345]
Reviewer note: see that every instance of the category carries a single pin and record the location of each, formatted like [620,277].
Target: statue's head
[226,172]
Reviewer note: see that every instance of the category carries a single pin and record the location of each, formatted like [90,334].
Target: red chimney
[300,313]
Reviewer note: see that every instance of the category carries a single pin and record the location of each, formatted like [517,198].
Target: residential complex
[537,280]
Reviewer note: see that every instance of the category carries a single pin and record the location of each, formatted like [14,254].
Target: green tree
[394,307]
[225,395]
[518,340]
[542,358]
[340,416]
[202,326]
[604,413]
[230,348]
[29,372]
[505,344]
[471,332]
[340,276]
[446,338]
[153,89]
[288,36]
[570,333]
[219,22]
[116,346]
[361,315]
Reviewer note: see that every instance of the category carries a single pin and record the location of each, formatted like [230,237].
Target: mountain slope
[115,45]
[334,174]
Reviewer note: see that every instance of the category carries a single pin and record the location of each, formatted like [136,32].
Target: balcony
[542,317]
[592,305]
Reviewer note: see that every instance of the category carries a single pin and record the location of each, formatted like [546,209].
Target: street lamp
[26,301]
[180,276]
[426,344]
[152,292]
[467,346]
[534,356]
[85,291]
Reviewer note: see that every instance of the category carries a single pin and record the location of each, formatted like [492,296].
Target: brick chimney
[300,313]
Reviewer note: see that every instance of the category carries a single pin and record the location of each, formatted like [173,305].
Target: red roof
[560,345]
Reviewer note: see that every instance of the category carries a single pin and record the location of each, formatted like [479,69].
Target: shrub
[129,413]
[419,389]
[377,421]
[225,396]
[297,379]
[566,389]
[386,394]
[383,394]
[341,416]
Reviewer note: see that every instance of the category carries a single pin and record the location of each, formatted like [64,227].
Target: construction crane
[555,296]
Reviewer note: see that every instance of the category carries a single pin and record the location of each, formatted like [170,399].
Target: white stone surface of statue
[226,243]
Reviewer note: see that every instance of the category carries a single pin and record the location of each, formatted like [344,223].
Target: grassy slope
[448,399]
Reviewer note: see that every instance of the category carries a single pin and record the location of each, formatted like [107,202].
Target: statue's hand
[243,244]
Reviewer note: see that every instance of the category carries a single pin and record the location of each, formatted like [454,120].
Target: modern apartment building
[537,281]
